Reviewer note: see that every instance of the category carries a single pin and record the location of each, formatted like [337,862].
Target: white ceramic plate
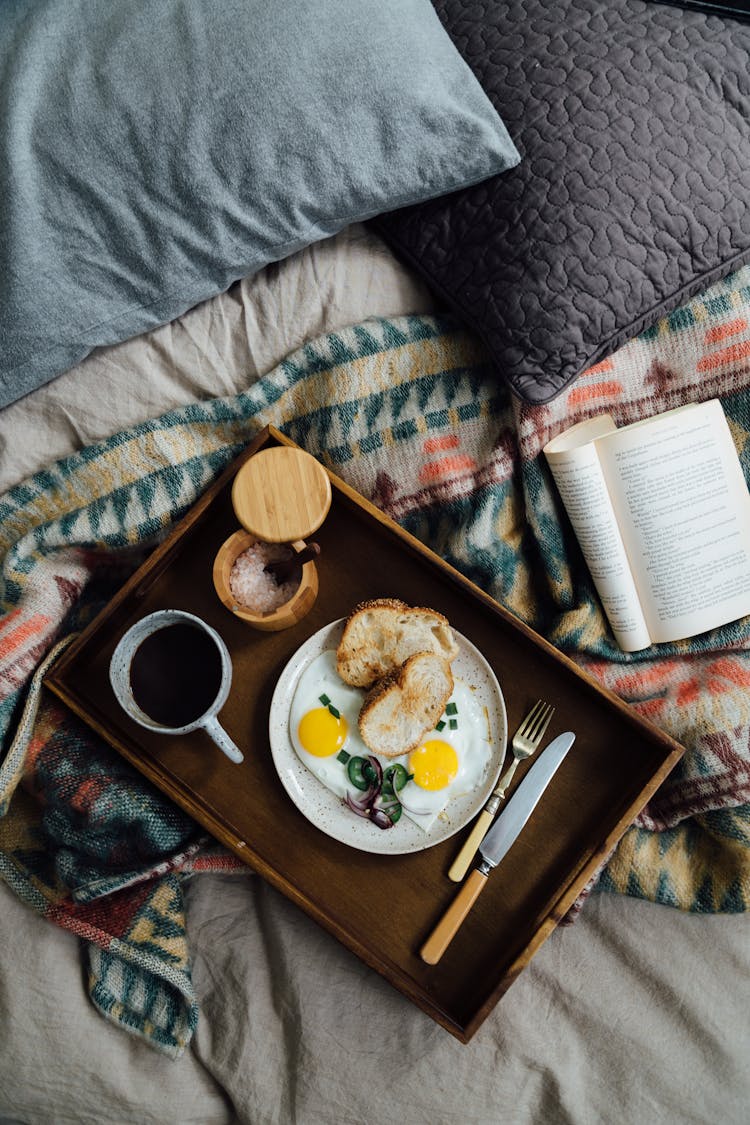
[326,811]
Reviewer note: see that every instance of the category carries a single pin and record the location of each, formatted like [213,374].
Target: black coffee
[175,674]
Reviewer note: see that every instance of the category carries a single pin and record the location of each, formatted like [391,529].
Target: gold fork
[525,742]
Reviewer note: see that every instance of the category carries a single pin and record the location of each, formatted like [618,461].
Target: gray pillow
[154,151]
[632,194]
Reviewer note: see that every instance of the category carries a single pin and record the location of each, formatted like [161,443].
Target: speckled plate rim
[325,810]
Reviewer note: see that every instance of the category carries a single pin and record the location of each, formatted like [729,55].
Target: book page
[580,482]
[683,508]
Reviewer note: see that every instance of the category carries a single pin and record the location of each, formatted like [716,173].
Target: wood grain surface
[383,908]
[281,495]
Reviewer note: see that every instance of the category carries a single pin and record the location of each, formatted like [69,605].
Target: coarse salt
[252,587]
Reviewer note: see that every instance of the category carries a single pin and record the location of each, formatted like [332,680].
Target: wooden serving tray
[380,907]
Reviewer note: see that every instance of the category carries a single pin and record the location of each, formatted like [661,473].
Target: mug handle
[215,730]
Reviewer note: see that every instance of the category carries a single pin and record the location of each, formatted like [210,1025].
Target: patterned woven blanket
[408,412]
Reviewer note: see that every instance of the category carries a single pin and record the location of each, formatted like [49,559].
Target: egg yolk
[434,764]
[321,733]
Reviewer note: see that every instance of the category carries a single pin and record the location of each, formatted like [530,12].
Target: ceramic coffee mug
[161,678]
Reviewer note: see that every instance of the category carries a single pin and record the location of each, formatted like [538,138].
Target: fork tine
[531,718]
[542,724]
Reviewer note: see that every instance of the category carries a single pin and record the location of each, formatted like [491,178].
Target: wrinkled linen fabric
[636,1012]
[662,1031]
[220,347]
[403,410]
[563,1045]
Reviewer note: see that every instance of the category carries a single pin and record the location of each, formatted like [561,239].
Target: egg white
[470,739]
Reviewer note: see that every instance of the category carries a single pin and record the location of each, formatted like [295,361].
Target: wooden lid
[281,494]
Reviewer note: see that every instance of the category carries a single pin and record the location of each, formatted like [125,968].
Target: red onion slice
[380,818]
[357,807]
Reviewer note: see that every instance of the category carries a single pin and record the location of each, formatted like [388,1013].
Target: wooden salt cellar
[281,495]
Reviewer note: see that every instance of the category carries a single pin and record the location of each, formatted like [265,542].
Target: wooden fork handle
[462,862]
[441,937]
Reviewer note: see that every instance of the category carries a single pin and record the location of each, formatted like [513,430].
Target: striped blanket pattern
[409,412]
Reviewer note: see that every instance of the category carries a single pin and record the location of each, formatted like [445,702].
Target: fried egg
[452,761]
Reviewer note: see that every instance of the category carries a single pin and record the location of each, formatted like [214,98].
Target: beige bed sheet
[635,1013]
[218,348]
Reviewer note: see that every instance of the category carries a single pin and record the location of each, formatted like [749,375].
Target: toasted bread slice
[380,635]
[406,704]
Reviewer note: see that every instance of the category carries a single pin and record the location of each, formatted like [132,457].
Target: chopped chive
[451,709]
[453,724]
[334,711]
[440,725]
[324,700]
[342,756]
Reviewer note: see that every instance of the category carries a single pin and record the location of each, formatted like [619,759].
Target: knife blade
[497,843]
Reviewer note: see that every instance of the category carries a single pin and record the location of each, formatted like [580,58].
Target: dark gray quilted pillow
[633,191]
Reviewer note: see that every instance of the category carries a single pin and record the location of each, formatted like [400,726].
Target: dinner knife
[497,843]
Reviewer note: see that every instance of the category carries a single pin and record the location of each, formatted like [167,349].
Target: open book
[662,513]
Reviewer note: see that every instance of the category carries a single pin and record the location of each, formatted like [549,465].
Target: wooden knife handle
[441,937]
[462,862]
